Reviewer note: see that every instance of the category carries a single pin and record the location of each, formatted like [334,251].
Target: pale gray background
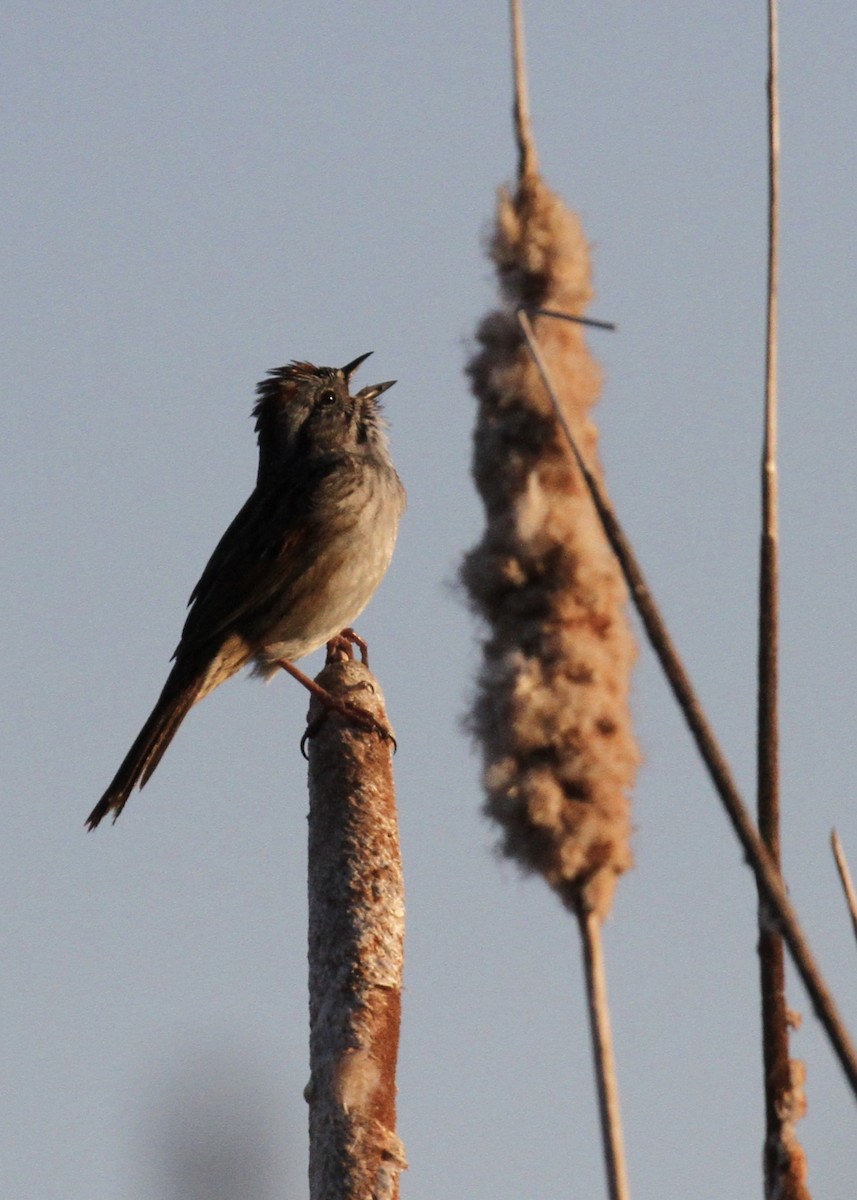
[194,193]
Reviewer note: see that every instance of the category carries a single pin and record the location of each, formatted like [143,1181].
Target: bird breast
[347,558]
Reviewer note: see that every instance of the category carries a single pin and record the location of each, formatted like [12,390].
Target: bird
[299,562]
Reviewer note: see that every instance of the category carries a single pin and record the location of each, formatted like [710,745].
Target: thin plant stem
[845,877]
[781,1145]
[767,873]
[602,1054]
[768,733]
[528,163]
[552,312]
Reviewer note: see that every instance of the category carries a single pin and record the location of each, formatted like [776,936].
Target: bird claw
[355,715]
[342,647]
[339,649]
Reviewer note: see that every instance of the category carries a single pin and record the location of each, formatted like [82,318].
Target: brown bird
[300,561]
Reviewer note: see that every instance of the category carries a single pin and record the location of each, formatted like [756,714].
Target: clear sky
[194,193]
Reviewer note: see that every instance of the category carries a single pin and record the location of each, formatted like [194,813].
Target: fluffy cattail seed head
[551,710]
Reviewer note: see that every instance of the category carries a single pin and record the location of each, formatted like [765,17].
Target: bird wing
[261,554]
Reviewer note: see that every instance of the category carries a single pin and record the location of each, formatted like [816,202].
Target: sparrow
[300,561]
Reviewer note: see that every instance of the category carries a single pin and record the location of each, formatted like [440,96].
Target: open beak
[373,392]
[351,367]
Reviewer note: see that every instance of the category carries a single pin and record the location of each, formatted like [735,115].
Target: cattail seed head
[551,707]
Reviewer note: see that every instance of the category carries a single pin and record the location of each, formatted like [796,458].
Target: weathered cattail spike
[552,710]
[356,944]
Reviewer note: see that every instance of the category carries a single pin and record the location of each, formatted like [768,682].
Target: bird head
[303,410]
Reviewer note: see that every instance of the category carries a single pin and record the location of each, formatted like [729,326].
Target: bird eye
[327,397]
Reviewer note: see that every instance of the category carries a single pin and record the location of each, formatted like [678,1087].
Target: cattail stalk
[356,947]
[602,1053]
[784,1159]
[551,710]
[528,163]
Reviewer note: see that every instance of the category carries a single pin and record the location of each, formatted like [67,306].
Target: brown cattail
[551,707]
[356,947]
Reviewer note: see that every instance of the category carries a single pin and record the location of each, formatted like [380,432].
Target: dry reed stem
[845,878]
[768,732]
[528,163]
[785,1164]
[767,873]
[602,1054]
[356,946]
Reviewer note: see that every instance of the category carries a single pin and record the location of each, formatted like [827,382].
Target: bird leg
[351,712]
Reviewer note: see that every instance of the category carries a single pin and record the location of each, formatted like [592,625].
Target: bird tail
[175,702]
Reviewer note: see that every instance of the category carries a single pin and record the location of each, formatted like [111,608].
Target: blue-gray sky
[194,193]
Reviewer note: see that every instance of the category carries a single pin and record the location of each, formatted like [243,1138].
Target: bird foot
[341,648]
[352,713]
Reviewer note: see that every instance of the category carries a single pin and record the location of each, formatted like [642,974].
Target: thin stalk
[845,877]
[767,873]
[602,1054]
[780,1141]
[528,163]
